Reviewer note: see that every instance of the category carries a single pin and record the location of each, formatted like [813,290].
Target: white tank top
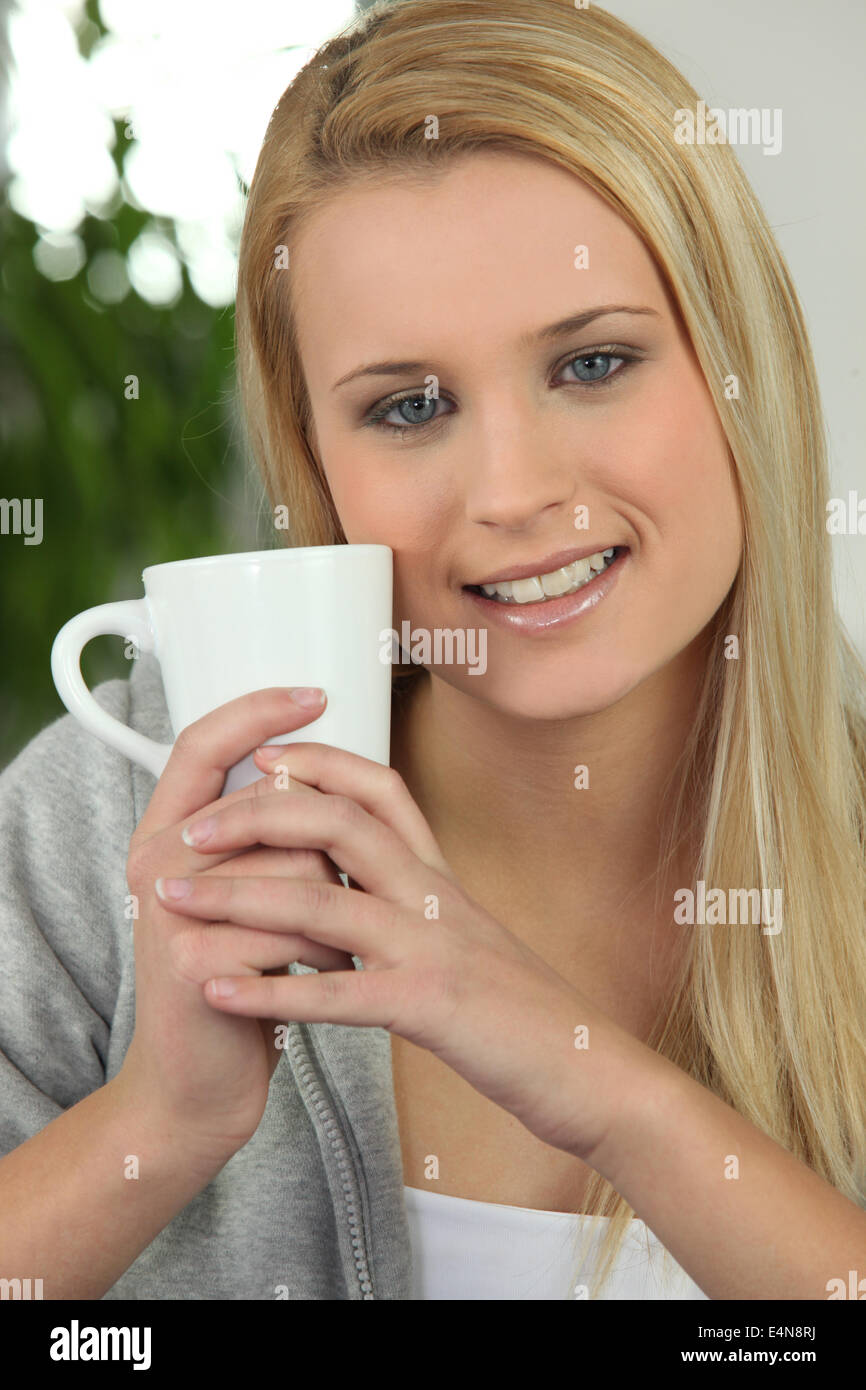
[481,1250]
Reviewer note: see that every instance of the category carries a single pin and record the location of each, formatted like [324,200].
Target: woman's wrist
[613,1087]
[647,1098]
[147,1117]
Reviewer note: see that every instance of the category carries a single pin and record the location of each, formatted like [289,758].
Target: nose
[517,470]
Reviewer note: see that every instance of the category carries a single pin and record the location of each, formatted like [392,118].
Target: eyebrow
[572,324]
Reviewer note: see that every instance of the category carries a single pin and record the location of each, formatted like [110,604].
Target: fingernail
[173,887]
[198,833]
[270,752]
[308,695]
[223,989]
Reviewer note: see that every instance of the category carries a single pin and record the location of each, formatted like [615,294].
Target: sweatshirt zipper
[311,1078]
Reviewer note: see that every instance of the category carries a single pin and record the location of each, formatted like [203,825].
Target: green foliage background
[125,483]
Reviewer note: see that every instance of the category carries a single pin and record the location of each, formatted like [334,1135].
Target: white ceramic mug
[224,625]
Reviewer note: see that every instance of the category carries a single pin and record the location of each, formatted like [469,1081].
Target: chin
[543,697]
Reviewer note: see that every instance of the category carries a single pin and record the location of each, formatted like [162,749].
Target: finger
[281,781]
[360,997]
[220,948]
[277,778]
[359,844]
[168,852]
[264,862]
[204,751]
[342,918]
[306,863]
[380,790]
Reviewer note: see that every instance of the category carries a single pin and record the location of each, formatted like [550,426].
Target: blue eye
[597,368]
[420,409]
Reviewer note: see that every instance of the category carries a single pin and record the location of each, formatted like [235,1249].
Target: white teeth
[557,583]
[526,590]
[579,570]
[562,581]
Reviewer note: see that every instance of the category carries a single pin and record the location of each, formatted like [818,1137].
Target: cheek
[686,489]
[375,505]
[370,514]
[395,504]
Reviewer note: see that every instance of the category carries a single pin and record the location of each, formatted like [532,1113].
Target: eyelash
[614,351]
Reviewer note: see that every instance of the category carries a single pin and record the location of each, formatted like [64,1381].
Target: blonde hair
[772,783]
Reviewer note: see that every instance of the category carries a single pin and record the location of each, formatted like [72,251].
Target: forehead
[490,242]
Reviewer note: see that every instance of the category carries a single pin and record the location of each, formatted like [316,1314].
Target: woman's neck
[498,793]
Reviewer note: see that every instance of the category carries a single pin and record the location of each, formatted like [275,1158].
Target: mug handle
[128,619]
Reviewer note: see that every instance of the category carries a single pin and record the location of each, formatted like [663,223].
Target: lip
[546,565]
[543,615]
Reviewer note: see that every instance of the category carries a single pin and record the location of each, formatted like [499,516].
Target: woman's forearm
[81,1199]
[742,1216]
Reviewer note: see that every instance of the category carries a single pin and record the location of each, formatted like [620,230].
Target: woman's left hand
[439,970]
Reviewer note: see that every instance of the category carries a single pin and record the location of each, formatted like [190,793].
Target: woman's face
[455,279]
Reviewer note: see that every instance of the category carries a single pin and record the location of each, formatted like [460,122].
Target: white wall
[809,60]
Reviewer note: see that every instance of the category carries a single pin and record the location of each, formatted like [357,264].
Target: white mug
[224,625]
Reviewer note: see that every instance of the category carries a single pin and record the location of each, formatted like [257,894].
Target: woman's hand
[439,970]
[207,1074]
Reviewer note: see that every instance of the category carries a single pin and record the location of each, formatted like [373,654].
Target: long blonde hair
[771,786]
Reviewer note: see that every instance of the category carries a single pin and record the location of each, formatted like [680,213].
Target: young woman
[594,991]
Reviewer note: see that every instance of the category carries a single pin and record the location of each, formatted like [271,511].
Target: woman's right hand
[205,1073]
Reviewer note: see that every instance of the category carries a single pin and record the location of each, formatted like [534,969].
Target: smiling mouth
[558,583]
